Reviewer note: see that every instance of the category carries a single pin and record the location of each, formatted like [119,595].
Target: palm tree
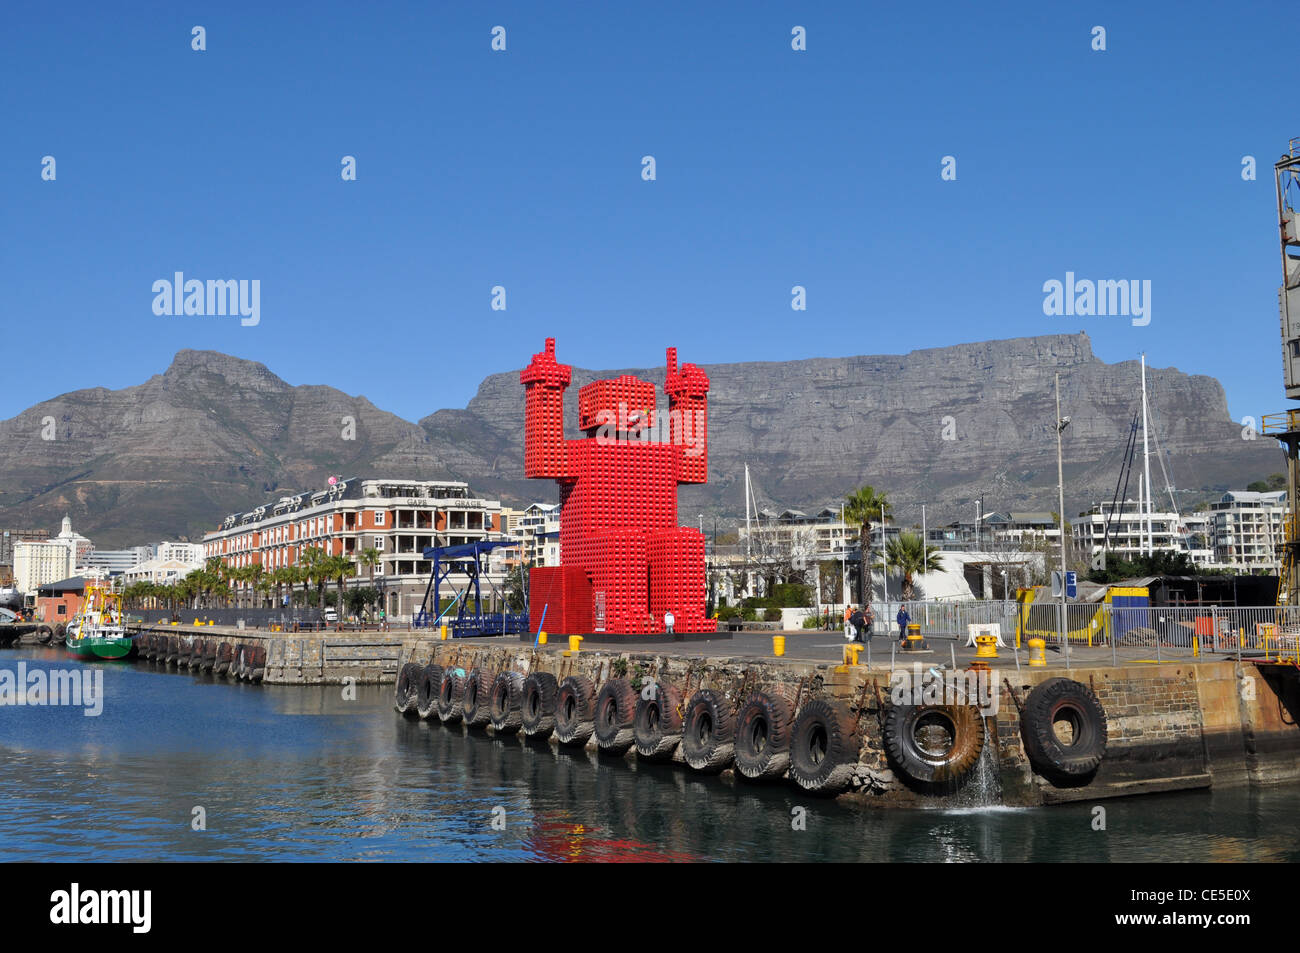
[315,571]
[905,555]
[863,507]
[340,568]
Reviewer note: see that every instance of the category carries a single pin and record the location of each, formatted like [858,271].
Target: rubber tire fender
[1047,755]
[197,648]
[824,747]
[504,707]
[657,726]
[224,655]
[451,697]
[575,705]
[934,771]
[404,692]
[615,710]
[477,697]
[426,704]
[537,706]
[763,726]
[256,666]
[708,732]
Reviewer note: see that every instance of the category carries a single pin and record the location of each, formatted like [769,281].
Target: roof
[73,584]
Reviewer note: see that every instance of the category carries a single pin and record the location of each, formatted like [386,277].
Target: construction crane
[1285,426]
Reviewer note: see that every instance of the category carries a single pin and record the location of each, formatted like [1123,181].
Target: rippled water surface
[299,773]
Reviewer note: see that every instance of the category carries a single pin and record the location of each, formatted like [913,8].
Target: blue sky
[523,169]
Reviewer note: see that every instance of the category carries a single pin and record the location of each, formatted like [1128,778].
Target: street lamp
[1061,424]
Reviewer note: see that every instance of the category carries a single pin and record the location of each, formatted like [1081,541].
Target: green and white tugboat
[99,630]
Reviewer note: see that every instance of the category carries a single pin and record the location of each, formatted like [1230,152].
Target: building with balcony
[1246,530]
[396,518]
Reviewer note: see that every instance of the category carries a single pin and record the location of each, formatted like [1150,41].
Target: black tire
[934,746]
[225,654]
[575,705]
[1056,700]
[173,650]
[60,633]
[477,698]
[708,732]
[197,648]
[408,680]
[426,704]
[44,634]
[615,710]
[451,696]
[657,727]
[504,709]
[824,747]
[537,707]
[257,665]
[763,726]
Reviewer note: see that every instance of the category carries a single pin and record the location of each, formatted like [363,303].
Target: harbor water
[187,767]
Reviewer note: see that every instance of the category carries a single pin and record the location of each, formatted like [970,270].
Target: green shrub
[772,615]
[811,622]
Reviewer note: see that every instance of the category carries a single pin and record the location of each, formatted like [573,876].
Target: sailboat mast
[747,527]
[1146,457]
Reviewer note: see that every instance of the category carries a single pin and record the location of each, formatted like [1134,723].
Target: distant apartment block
[398,518]
[1247,530]
[38,564]
[538,531]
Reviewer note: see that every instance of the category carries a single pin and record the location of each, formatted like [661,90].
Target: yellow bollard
[851,654]
[778,645]
[1037,653]
[1196,646]
[986,646]
[541,638]
[442,632]
[575,643]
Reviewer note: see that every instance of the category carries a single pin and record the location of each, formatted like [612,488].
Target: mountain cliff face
[215,434]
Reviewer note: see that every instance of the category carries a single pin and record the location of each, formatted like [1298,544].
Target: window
[379,543]
[379,517]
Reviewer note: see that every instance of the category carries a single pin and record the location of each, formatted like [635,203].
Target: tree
[316,572]
[340,568]
[863,507]
[909,556]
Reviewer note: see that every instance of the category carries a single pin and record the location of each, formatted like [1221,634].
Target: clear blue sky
[522,168]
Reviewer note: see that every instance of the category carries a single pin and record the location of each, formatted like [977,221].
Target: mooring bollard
[850,654]
[986,646]
[575,643]
[1037,653]
[778,645]
[541,638]
[442,632]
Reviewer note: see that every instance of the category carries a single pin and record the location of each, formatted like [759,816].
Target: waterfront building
[80,546]
[1246,530]
[539,533]
[10,536]
[38,563]
[114,562]
[397,518]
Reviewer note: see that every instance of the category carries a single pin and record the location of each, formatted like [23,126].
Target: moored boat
[99,630]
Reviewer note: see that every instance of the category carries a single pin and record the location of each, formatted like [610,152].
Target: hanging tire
[763,726]
[477,697]
[504,709]
[426,704]
[197,648]
[173,650]
[824,747]
[221,665]
[451,696]
[657,726]
[257,664]
[44,634]
[934,746]
[408,681]
[1063,700]
[615,709]
[575,704]
[708,732]
[537,706]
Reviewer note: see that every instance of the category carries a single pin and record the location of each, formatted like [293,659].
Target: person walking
[903,619]
[869,620]
[859,623]
[668,623]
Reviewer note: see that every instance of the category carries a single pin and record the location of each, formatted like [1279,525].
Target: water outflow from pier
[984,786]
[303,773]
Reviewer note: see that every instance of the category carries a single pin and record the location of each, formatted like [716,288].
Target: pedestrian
[869,618]
[903,619]
[668,622]
[849,630]
[859,622]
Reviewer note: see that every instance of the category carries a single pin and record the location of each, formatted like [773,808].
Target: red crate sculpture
[618,499]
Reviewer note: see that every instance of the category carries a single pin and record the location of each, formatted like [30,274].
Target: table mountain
[216,434]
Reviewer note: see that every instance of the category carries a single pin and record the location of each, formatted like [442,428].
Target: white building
[1129,535]
[37,564]
[538,530]
[1246,530]
[117,561]
[162,572]
[80,546]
